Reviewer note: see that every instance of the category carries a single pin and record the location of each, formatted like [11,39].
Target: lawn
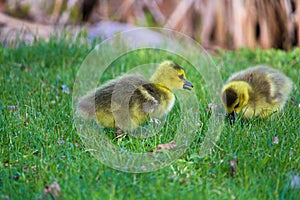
[43,156]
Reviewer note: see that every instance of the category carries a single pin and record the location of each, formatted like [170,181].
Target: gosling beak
[231,117]
[187,85]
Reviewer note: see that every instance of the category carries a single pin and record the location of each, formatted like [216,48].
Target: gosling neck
[158,80]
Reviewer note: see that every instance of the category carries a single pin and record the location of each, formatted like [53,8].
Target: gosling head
[171,75]
[235,96]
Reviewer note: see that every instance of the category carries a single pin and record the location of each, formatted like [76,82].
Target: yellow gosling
[131,100]
[256,91]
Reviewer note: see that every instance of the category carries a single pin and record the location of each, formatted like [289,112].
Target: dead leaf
[12,107]
[295,182]
[16,177]
[25,169]
[27,120]
[53,190]
[210,106]
[233,164]
[232,167]
[61,142]
[232,197]
[33,168]
[65,89]
[144,168]
[35,152]
[275,140]
[167,146]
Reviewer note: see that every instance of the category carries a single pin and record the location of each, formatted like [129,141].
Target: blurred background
[226,24]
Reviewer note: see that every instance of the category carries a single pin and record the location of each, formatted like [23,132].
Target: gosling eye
[181,76]
[237,105]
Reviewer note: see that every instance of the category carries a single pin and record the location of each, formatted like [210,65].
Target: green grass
[39,142]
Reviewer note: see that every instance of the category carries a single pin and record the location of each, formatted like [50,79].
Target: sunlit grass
[39,143]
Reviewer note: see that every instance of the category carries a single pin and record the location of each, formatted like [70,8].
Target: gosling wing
[124,93]
[111,96]
[151,98]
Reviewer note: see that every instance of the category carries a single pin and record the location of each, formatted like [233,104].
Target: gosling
[256,91]
[131,100]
